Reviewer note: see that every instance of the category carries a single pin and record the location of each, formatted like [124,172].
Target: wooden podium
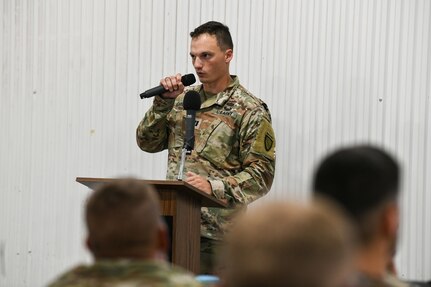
[183,203]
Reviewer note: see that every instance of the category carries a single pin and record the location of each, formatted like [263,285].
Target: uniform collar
[222,97]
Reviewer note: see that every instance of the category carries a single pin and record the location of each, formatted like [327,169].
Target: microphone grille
[192,101]
[188,79]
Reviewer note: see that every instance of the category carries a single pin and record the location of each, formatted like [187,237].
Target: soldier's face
[210,62]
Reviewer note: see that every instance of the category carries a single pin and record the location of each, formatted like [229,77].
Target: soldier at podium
[234,155]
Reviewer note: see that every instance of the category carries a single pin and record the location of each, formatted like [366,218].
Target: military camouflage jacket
[363,280]
[234,147]
[126,273]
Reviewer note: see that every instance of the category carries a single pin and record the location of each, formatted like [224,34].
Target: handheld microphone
[191,103]
[187,80]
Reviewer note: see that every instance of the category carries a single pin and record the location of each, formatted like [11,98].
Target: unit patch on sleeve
[265,140]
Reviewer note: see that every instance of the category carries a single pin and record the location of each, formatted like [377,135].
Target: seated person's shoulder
[135,274]
[70,278]
[176,276]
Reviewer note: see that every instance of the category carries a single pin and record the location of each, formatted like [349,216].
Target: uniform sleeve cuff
[161,104]
[217,187]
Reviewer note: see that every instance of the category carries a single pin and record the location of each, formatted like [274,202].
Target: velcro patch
[265,140]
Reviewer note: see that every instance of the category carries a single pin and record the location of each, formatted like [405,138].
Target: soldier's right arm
[153,131]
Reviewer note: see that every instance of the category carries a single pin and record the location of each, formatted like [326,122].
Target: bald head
[123,220]
[283,242]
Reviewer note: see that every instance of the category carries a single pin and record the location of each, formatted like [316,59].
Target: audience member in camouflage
[388,280]
[118,273]
[234,155]
[128,240]
[364,180]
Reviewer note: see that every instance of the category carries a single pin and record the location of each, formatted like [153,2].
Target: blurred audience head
[364,180]
[361,179]
[123,220]
[287,244]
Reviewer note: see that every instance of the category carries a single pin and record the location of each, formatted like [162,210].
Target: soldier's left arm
[257,154]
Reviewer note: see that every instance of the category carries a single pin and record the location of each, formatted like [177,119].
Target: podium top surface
[206,200]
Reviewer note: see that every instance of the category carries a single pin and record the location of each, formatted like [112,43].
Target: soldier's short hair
[221,32]
[360,179]
[122,215]
[289,244]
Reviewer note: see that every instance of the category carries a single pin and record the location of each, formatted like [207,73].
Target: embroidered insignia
[269,141]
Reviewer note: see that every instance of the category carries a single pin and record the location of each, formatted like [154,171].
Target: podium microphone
[187,80]
[191,103]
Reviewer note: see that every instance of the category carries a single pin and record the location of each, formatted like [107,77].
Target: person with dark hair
[217,29]
[234,155]
[290,244]
[128,239]
[364,180]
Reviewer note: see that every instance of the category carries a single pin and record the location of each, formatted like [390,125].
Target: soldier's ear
[89,245]
[391,220]
[228,55]
[93,246]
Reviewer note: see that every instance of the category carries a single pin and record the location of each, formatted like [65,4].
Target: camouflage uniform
[393,281]
[363,280]
[234,147]
[126,273]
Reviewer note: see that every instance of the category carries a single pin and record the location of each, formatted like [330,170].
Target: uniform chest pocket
[215,141]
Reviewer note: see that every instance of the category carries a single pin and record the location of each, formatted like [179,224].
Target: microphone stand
[187,150]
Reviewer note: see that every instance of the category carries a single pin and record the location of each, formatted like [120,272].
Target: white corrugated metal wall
[332,72]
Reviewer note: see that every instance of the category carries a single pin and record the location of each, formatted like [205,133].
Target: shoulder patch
[269,141]
[265,140]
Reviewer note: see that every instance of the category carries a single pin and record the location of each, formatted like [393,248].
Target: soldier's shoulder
[176,276]
[151,274]
[394,281]
[248,99]
[363,279]
[69,278]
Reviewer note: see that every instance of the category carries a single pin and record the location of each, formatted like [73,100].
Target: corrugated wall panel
[332,72]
